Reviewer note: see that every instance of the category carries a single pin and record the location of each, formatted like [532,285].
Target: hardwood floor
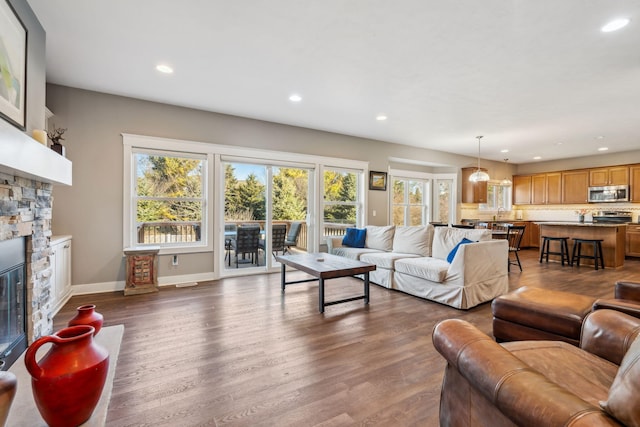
[237,352]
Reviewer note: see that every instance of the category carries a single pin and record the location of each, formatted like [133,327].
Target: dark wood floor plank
[237,352]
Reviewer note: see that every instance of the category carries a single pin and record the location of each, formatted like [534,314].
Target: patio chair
[246,242]
[230,231]
[278,235]
[292,237]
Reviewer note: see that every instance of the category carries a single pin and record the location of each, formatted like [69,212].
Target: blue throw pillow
[355,237]
[452,254]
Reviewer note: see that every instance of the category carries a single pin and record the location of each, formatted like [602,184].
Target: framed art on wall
[13,66]
[377,181]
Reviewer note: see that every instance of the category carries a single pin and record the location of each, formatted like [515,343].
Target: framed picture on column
[13,66]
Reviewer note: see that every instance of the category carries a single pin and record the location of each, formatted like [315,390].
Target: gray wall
[91,210]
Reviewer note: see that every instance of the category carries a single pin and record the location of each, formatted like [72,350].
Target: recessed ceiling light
[615,25]
[559,143]
[295,98]
[537,158]
[164,69]
[381,117]
[603,148]
[504,151]
[599,137]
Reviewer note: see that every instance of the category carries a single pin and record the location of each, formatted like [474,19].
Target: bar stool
[597,256]
[564,249]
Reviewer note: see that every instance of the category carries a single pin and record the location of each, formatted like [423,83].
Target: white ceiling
[536,77]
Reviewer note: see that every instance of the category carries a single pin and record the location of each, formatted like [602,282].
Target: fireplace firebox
[13,339]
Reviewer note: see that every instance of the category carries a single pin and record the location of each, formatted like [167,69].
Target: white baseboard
[98,288]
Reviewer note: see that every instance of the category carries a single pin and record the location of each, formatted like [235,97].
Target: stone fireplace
[25,211]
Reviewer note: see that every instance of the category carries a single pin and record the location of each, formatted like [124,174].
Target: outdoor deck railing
[187,232]
[168,232]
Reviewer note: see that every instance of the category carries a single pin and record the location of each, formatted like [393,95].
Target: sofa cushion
[380,237]
[355,237]
[453,252]
[583,374]
[432,269]
[446,238]
[413,240]
[352,253]
[624,395]
[384,259]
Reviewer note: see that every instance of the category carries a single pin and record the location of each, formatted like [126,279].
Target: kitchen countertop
[580,224]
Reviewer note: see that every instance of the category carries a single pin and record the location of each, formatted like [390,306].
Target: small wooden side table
[142,270]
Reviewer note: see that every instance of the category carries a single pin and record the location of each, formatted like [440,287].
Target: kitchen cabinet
[60,280]
[634,179]
[546,188]
[575,185]
[632,244]
[615,175]
[522,190]
[534,234]
[473,192]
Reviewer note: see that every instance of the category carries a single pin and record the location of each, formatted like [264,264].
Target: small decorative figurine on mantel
[56,136]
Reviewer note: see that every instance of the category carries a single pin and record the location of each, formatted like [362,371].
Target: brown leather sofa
[626,299]
[542,383]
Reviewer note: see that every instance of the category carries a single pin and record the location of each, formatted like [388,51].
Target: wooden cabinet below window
[60,260]
[473,192]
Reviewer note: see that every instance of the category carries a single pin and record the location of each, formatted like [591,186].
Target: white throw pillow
[413,240]
[380,237]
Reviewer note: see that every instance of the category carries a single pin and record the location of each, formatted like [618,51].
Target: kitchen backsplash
[549,212]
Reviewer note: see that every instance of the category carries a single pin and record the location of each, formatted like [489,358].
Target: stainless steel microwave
[609,193]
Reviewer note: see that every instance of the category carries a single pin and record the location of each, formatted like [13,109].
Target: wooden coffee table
[325,266]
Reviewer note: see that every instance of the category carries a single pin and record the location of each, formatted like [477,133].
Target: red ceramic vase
[87,315]
[68,381]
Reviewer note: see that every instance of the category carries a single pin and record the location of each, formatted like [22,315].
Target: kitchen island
[612,235]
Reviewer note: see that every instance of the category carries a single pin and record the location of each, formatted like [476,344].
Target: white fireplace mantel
[23,156]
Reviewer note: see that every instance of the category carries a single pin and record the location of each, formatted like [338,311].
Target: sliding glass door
[266,212]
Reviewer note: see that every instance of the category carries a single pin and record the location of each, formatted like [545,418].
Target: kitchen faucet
[500,212]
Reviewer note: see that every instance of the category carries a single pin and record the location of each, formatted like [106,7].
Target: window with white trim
[409,204]
[498,197]
[168,198]
[418,198]
[342,201]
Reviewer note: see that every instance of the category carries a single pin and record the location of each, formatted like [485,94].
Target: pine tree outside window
[169,198]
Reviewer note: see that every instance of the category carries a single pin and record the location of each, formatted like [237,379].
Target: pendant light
[506,182]
[478,175]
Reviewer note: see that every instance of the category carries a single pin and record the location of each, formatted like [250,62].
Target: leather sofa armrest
[609,334]
[627,290]
[522,394]
[629,307]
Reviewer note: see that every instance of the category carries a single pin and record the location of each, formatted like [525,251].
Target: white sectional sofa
[414,260]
